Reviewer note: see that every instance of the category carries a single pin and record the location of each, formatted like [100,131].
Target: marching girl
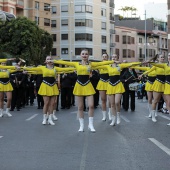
[159,83]
[5,85]
[102,87]
[166,93]
[115,87]
[148,86]
[48,88]
[83,86]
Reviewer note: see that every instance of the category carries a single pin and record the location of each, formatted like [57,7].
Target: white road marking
[125,119]
[32,117]
[166,117]
[160,145]
[1,136]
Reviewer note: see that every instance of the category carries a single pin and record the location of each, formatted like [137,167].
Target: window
[37,20]
[37,5]
[132,40]
[103,12]
[46,7]
[129,53]
[54,10]
[12,10]
[78,51]
[83,9]
[117,51]
[64,8]
[64,22]
[46,22]
[124,39]
[104,25]
[53,23]
[124,53]
[0,7]
[54,52]
[104,51]
[104,1]
[103,39]
[84,23]
[64,36]
[54,37]
[140,40]
[83,37]
[64,51]
[117,39]
[129,38]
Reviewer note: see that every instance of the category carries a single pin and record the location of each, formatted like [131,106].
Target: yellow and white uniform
[115,86]
[151,77]
[48,86]
[83,86]
[159,83]
[5,85]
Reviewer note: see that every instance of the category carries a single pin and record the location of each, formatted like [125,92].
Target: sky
[143,5]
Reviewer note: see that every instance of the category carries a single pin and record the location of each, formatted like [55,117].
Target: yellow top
[112,71]
[150,74]
[46,72]
[83,69]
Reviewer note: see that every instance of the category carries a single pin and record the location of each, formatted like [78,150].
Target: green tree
[23,38]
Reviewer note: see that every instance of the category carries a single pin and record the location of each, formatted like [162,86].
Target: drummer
[128,77]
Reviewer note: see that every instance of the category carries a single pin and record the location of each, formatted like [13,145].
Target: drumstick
[129,78]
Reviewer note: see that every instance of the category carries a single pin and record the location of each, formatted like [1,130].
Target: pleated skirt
[158,86]
[6,87]
[102,86]
[117,89]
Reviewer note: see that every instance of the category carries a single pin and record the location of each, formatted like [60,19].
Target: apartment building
[35,10]
[79,24]
[132,46]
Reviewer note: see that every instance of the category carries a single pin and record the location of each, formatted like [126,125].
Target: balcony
[112,44]
[112,31]
[20,4]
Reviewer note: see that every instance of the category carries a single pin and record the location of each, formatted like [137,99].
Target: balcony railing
[112,44]
[20,4]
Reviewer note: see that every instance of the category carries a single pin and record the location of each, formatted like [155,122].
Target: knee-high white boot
[104,115]
[118,118]
[7,112]
[50,121]
[81,121]
[113,121]
[1,113]
[44,122]
[110,114]
[54,116]
[153,116]
[91,127]
[149,108]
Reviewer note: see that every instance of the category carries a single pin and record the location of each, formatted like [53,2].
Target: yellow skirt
[102,85]
[167,88]
[6,87]
[117,89]
[148,86]
[86,90]
[46,90]
[158,86]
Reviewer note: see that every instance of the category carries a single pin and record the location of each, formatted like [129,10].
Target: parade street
[136,144]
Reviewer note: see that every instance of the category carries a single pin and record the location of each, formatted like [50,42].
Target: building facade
[168,25]
[78,24]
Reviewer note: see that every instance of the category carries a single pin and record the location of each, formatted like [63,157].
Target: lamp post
[71,51]
[145,36]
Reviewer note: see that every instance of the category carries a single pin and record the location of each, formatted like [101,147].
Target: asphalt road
[136,144]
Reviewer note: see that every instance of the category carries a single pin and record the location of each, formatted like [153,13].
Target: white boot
[118,118]
[168,124]
[54,116]
[50,121]
[1,113]
[91,128]
[113,123]
[156,112]
[153,116]
[149,107]
[104,115]
[110,114]
[44,122]
[7,112]
[81,121]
